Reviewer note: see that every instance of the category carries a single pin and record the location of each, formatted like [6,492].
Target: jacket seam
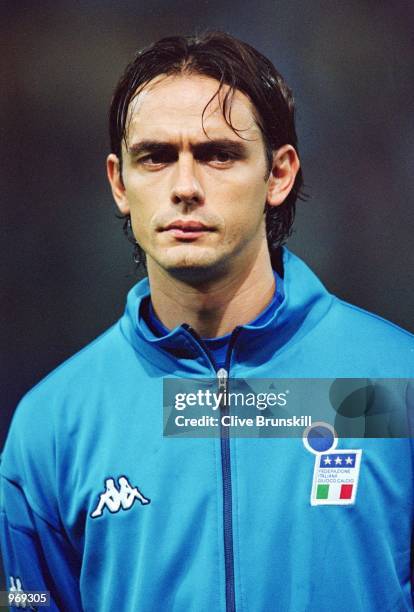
[33,506]
[30,532]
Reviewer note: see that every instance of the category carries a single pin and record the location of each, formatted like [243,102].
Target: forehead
[172,107]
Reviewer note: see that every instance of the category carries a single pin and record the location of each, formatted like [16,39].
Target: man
[104,512]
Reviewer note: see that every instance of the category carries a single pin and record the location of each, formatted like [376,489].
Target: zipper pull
[222,376]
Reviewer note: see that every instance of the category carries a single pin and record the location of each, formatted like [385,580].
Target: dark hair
[239,66]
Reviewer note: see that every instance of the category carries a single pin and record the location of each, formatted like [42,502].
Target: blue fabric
[218,346]
[97,419]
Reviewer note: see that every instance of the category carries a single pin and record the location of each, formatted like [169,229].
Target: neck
[214,307]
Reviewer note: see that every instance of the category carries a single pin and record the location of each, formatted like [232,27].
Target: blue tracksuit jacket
[206,524]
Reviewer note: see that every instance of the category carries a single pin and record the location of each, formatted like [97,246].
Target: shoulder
[342,337]
[356,320]
[77,372]
[52,417]
[359,343]
[78,383]
[100,362]
[307,293]
[108,362]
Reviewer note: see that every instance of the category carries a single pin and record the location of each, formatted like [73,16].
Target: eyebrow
[200,148]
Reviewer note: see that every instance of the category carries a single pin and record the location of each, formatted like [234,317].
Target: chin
[194,269]
[188,257]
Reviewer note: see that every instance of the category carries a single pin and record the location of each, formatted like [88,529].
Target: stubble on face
[228,199]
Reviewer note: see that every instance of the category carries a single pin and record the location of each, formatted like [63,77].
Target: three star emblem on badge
[336,472]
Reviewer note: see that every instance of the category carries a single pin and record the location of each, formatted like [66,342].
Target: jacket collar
[305,302]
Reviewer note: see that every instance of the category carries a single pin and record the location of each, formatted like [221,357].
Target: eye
[157,159]
[222,157]
[218,157]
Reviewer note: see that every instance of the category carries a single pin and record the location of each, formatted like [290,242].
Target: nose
[186,187]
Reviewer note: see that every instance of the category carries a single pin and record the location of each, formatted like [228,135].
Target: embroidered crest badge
[335,477]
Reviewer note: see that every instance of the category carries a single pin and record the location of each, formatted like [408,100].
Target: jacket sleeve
[36,556]
[36,547]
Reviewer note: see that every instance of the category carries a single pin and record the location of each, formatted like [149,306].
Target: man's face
[196,198]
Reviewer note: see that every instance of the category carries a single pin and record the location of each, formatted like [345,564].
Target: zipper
[223,378]
[222,375]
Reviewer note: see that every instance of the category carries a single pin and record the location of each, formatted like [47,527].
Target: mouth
[187,230]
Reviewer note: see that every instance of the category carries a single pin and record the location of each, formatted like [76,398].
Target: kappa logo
[17,587]
[114,499]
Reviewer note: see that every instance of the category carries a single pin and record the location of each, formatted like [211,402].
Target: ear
[113,170]
[285,167]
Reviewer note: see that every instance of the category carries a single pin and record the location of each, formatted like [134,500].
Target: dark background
[65,266]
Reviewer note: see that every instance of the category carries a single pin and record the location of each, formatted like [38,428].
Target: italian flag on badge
[335,477]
